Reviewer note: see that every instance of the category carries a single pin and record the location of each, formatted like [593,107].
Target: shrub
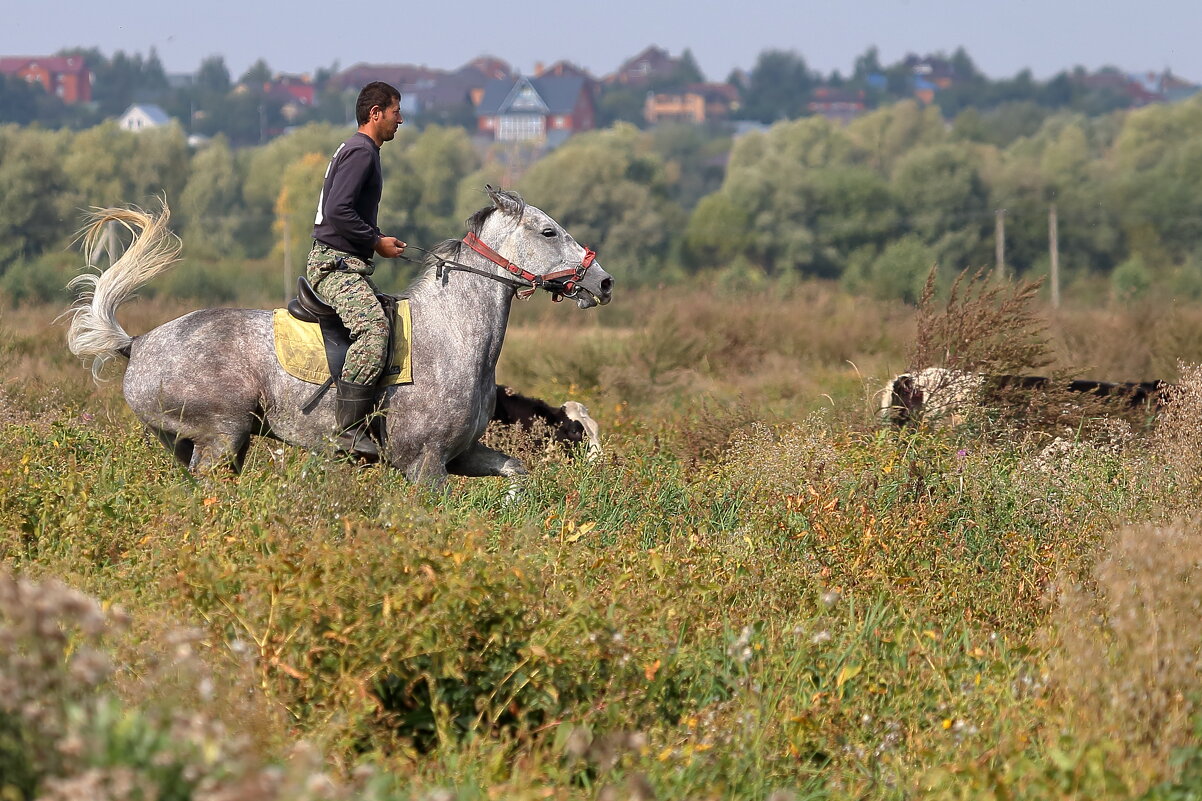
[1131,279]
[899,271]
[42,280]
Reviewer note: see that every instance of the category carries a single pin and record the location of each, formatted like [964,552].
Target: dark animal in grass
[937,393]
[569,424]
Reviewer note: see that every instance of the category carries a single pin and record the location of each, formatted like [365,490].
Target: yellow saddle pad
[299,348]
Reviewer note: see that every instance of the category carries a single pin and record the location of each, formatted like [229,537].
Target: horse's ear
[506,202]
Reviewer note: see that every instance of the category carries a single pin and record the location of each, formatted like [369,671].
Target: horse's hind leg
[219,450]
[181,447]
[204,454]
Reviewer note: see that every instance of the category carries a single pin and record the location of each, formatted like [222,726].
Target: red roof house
[68,77]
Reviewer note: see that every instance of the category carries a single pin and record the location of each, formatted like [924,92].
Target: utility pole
[107,244]
[287,259]
[1000,244]
[1054,254]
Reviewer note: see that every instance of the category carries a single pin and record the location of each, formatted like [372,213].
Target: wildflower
[821,637]
[739,648]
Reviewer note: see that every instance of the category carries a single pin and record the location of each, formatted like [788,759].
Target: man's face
[387,120]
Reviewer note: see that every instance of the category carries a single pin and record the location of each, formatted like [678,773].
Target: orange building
[696,103]
[67,77]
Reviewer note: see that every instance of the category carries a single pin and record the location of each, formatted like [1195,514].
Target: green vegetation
[873,204]
[756,592]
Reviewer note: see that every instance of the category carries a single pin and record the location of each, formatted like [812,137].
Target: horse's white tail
[94,334]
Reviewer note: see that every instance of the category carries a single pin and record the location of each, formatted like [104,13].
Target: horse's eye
[549,232]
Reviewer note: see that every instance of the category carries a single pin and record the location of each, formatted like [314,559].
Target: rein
[525,282]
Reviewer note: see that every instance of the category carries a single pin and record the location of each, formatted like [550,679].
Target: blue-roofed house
[546,109]
[142,117]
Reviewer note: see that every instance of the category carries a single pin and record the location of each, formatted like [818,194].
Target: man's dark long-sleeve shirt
[350,198]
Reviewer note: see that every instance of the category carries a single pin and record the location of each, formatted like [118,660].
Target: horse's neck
[467,315]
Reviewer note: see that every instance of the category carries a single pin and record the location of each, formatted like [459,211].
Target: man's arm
[340,209]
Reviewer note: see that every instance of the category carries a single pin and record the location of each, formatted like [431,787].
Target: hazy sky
[1002,36]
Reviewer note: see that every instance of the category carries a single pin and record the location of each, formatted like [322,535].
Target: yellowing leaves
[574,532]
[847,673]
[657,564]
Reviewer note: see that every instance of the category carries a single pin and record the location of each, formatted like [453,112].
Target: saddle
[308,307]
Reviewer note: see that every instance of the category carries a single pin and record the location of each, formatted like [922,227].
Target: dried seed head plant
[982,327]
[1176,454]
[991,350]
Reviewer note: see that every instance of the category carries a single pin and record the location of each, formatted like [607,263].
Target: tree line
[779,86]
[209,103]
[872,204]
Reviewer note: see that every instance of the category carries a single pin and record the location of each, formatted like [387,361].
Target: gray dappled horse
[205,382]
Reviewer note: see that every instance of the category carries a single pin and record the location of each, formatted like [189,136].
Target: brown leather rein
[561,283]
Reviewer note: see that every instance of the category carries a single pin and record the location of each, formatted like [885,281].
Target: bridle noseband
[554,283]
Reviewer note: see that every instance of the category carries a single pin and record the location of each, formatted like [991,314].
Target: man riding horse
[345,237]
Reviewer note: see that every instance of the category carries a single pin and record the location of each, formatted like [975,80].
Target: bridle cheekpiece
[561,283]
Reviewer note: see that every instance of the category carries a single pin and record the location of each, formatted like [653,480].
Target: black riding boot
[353,403]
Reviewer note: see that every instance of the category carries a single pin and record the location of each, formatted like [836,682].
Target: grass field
[757,592]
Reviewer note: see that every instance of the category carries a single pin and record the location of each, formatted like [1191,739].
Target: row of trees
[872,204]
[778,87]
[210,103]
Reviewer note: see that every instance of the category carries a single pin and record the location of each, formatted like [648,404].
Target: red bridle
[561,287]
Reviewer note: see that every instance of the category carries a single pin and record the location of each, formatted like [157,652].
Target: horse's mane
[449,249]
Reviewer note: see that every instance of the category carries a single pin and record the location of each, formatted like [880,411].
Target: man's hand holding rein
[389,247]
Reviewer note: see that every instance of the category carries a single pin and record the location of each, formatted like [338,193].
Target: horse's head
[578,412]
[531,239]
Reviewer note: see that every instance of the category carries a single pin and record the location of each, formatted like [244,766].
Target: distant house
[695,103]
[143,117]
[938,72]
[654,62]
[181,80]
[1140,89]
[562,69]
[67,77]
[1159,87]
[548,109]
[1174,88]
[291,89]
[295,93]
[425,89]
[838,105]
[929,75]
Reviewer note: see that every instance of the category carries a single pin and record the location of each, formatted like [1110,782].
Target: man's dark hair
[376,93]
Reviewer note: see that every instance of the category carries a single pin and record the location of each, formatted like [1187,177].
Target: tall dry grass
[1129,648]
[754,589]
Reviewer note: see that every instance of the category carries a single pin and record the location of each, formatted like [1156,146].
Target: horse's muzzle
[596,289]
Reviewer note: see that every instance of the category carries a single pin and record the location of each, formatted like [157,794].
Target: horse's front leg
[480,460]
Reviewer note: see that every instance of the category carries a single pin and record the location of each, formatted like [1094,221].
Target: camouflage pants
[353,295]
